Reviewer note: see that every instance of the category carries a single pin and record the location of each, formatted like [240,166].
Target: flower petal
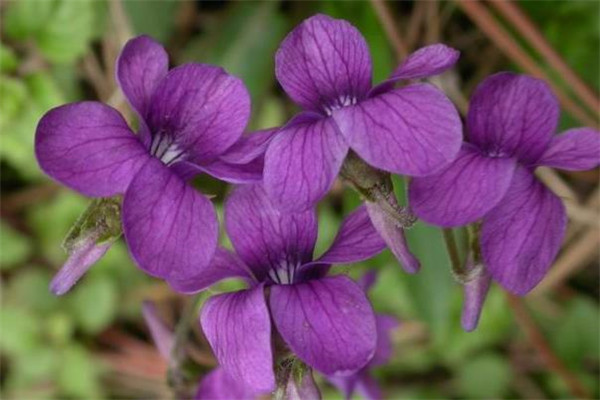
[576,150]
[522,235]
[238,328]
[324,63]
[302,163]
[263,236]
[204,110]
[249,147]
[142,64]
[251,172]
[512,115]
[355,241]
[385,348]
[162,335]
[88,147]
[223,265]
[170,228]
[413,131]
[393,235]
[328,323]
[463,192]
[218,385]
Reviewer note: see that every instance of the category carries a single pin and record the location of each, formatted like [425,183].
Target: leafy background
[92,343]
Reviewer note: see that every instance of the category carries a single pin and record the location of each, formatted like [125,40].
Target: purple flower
[362,381]
[326,321]
[511,123]
[189,117]
[325,67]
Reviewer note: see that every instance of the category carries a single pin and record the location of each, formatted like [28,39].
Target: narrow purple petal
[368,388]
[328,323]
[356,240]
[263,236]
[521,237]
[88,147]
[142,64]
[249,147]
[251,172]
[238,328]
[162,335]
[475,292]
[393,235]
[170,228]
[576,150]
[305,389]
[82,256]
[367,280]
[302,163]
[427,61]
[223,265]
[385,348]
[346,384]
[199,111]
[512,115]
[463,192]
[324,63]
[218,385]
[412,131]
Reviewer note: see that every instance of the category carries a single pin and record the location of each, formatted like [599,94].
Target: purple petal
[305,389]
[201,109]
[170,228]
[328,323]
[251,172]
[218,385]
[512,115]
[427,61]
[142,64]
[223,265]
[413,131]
[393,235]
[88,147]
[576,150]
[522,235]
[368,387]
[475,292]
[302,163]
[263,236]
[385,348]
[463,192]
[82,256]
[367,280]
[249,147]
[162,335]
[356,240]
[238,328]
[324,63]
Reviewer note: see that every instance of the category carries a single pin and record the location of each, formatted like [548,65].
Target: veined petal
[162,335]
[302,162]
[249,147]
[385,348]
[393,235]
[324,63]
[427,61]
[238,328]
[356,240]
[263,236]
[463,192]
[251,172]
[218,385]
[142,64]
[202,108]
[88,147]
[576,150]
[413,130]
[170,228]
[327,322]
[223,265]
[521,236]
[512,115]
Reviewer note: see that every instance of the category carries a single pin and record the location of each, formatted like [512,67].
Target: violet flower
[189,117]
[325,67]
[511,123]
[326,321]
[362,381]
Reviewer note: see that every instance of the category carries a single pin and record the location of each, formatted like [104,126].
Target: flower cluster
[191,120]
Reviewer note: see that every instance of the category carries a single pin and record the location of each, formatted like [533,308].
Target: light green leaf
[25,18]
[8,59]
[14,247]
[20,330]
[79,374]
[94,303]
[154,18]
[487,376]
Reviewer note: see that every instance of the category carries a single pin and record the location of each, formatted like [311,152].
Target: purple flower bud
[475,289]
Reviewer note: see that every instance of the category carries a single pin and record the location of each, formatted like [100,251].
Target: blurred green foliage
[50,346]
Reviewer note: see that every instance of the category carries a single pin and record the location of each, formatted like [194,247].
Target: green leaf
[13,93]
[486,376]
[29,288]
[94,303]
[20,330]
[154,18]
[79,374]
[14,247]
[8,59]
[25,18]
